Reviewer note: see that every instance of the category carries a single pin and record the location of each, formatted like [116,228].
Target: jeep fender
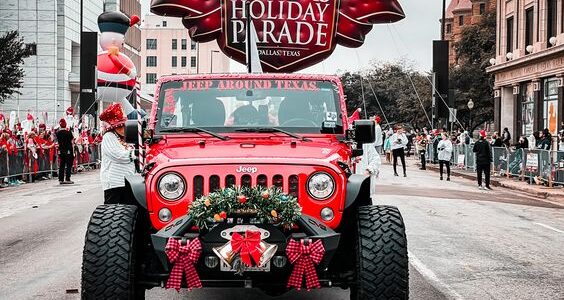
[135,186]
[358,191]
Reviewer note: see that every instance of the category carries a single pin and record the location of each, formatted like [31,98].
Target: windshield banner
[292,34]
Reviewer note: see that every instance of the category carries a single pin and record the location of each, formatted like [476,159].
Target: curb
[493,181]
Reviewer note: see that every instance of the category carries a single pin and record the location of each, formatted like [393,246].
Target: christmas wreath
[264,205]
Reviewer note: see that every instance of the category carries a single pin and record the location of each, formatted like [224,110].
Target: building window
[527,109]
[151,61]
[193,62]
[174,61]
[164,23]
[183,44]
[550,21]
[193,45]
[551,105]
[183,61]
[448,28]
[509,34]
[151,44]
[482,8]
[174,44]
[461,20]
[151,78]
[529,26]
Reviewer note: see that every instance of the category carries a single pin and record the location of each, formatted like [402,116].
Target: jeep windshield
[250,105]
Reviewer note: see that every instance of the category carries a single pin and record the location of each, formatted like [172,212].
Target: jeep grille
[214,183]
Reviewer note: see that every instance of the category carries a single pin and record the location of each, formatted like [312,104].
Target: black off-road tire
[109,269]
[382,267]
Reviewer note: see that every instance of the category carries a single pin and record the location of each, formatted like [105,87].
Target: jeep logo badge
[243,169]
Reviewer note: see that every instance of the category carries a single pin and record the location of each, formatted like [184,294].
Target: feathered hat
[113,116]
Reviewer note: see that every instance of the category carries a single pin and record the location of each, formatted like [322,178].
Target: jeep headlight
[171,186]
[320,186]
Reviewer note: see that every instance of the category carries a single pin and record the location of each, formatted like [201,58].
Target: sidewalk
[554,193]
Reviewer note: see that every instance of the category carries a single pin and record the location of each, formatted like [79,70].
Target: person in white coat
[369,164]
[379,135]
[445,154]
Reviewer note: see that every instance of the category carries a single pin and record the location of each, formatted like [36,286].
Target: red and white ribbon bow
[247,246]
[183,257]
[304,258]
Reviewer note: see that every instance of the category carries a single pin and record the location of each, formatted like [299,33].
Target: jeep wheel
[110,252]
[381,255]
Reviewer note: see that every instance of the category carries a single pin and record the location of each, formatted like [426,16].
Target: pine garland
[267,205]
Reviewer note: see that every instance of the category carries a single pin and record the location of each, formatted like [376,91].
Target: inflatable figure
[116,72]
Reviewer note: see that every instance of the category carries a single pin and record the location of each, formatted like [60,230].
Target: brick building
[461,13]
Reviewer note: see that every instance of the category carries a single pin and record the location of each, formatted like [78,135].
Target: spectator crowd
[31,146]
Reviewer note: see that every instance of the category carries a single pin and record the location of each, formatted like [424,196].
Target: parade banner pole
[139,125]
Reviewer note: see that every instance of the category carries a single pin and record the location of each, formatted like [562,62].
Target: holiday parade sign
[292,34]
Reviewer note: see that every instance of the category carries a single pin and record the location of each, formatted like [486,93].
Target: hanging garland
[267,205]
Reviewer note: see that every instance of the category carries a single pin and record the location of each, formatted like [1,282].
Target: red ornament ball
[242,199]
[223,215]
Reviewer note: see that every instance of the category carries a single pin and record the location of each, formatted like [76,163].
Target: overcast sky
[411,38]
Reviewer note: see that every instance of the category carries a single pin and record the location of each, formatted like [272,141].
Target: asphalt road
[464,243]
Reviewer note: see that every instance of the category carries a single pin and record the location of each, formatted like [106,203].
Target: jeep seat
[208,112]
[293,108]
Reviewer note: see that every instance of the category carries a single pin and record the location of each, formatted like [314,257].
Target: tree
[474,49]
[390,84]
[12,54]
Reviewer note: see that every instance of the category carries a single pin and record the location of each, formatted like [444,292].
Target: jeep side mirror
[132,131]
[364,132]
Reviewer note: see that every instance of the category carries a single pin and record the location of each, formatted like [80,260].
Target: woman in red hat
[117,156]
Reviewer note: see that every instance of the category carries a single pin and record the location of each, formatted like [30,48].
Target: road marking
[549,227]
[442,287]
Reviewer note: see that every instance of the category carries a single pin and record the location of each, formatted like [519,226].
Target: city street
[464,243]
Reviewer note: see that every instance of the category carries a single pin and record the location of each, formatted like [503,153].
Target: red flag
[355,116]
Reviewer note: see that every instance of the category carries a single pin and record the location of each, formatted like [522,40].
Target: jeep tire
[110,253]
[381,255]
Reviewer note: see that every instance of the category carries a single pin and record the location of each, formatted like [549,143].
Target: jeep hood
[176,149]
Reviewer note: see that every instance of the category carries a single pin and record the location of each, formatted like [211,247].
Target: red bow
[303,257]
[247,246]
[183,258]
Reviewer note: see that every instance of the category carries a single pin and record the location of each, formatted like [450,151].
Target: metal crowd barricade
[515,162]
[500,157]
[23,165]
[558,167]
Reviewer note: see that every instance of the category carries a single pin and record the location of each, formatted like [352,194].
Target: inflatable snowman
[116,71]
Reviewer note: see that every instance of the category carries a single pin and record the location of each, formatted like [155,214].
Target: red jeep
[210,132]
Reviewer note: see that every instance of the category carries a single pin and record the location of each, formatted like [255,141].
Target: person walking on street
[399,142]
[483,152]
[506,137]
[422,150]
[66,157]
[445,154]
[117,156]
[379,136]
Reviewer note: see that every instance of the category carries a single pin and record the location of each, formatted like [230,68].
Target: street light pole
[470,107]
[443,25]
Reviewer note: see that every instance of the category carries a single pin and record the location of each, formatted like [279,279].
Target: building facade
[52,27]
[462,13]
[166,49]
[529,66]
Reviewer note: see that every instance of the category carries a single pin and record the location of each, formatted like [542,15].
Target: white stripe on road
[432,278]
[549,227]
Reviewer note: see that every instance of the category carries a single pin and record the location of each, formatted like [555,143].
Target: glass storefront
[551,105]
[527,109]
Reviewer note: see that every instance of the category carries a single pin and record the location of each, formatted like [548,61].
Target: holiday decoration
[278,208]
[292,35]
[248,246]
[183,258]
[116,72]
[113,116]
[304,255]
